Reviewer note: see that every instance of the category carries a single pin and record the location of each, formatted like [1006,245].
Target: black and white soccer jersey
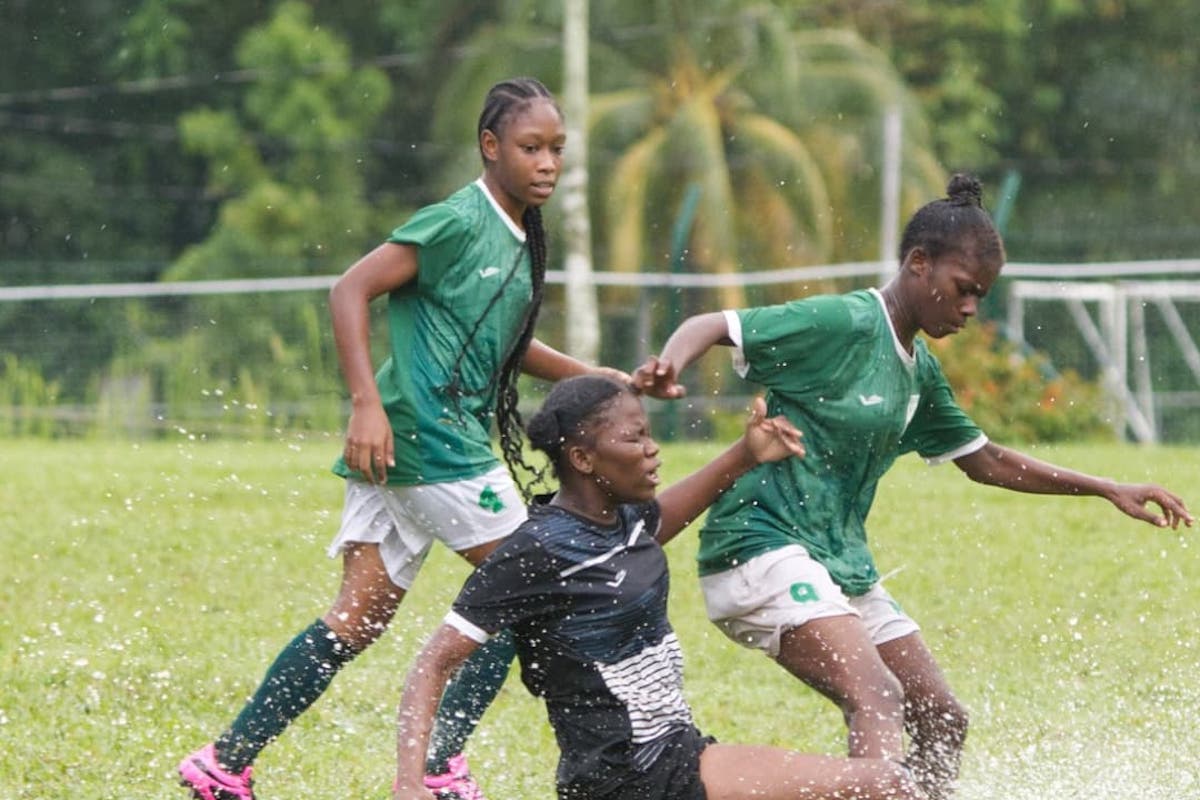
[588,605]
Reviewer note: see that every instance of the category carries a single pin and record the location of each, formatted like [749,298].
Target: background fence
[254,357]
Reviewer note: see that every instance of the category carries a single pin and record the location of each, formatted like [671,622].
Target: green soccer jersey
[834,367]
[466,307]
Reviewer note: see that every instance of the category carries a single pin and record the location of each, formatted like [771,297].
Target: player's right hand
[771,438]
[657,378]
[369,449]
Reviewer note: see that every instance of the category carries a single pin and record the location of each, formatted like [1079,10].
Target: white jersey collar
[908,358]
[512,226]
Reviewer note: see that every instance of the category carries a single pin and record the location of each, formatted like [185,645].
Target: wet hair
[569,415]
[957,222]
[505,101]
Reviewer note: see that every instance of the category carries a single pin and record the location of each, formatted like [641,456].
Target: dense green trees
[180,139]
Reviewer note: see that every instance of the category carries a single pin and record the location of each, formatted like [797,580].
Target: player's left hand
[771,438]
[1132,498]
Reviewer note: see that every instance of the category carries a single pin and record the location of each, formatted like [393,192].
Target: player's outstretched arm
[659,375]
[442,654]
[996,465]
[766,439]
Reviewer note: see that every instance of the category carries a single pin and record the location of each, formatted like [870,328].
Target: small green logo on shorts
[490,500]
[804,593]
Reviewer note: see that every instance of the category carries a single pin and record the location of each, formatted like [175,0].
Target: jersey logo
[600,559]
[489,272]
[617,581]
[490,500]
[803,592]
[870,399]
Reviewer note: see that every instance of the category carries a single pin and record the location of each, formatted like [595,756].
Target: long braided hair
[505,100]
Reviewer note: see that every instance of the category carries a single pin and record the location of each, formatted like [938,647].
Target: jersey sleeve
[940,430]
[776,346]
[440,235]
[517,581]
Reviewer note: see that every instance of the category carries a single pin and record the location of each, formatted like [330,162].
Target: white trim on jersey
[908,359]
[650,685]
[512,226]
[734,323]
[634,532]
[466,627]
[972,446]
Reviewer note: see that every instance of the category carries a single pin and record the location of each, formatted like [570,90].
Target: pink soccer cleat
[456,783]
[201,773]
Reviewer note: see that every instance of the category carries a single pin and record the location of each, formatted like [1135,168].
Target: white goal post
[1117,338]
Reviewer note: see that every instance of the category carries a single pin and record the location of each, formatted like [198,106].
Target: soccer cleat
[201,773]
[456,783]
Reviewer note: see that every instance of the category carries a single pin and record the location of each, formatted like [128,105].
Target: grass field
[145,586]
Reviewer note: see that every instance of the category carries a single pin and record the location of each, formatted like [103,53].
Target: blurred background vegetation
[170,140]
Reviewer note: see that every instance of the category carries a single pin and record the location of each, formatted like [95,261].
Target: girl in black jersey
[583,585]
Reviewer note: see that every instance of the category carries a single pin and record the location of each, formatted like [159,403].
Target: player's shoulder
[828,312]
[465,197]
[548,527]
[464,205]
[444,220]
[557,530]
[822,304]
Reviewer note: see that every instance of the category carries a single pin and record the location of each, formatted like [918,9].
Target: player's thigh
[367,598]
[835,655]
[757,772]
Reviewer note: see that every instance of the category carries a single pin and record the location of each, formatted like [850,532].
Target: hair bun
[965,190]
[543,431]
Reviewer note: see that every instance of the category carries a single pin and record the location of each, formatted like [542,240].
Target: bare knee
[955,717]
[367,599]
[941,716]
[882,695]
[358,619]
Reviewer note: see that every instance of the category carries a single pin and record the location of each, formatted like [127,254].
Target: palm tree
[778,128]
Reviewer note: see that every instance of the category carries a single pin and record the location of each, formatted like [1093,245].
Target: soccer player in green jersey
[783,559]
[464,282]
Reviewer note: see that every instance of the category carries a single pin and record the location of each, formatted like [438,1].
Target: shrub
[27,399]
[1018,396]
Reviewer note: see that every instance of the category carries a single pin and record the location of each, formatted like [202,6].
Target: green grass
[144,587]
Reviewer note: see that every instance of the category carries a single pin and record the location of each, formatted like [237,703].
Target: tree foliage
[187,139]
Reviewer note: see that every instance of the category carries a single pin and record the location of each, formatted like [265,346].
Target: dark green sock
[467,696]
[300,674]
